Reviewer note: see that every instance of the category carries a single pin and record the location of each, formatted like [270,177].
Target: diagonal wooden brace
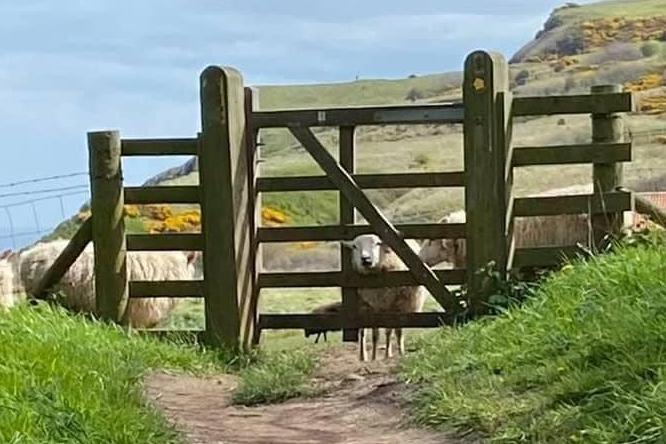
[385,230]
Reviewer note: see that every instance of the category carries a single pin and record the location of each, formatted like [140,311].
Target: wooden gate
[230,188]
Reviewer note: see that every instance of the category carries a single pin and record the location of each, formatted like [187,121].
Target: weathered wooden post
[606,128]
[108,226]
[349,295]
[487,176]
[225,209]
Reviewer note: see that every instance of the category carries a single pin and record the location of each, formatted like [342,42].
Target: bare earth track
[361,404]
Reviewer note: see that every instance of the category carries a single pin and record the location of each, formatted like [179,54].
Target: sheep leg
[401,341]
[375,340]
[389,346]
[363,354]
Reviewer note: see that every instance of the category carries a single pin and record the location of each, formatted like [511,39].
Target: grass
[65,379]
[583,361]
[276,377]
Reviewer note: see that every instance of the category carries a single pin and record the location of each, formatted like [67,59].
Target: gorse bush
[582,360]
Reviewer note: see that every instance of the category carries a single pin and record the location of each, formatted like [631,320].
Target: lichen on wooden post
[108,226]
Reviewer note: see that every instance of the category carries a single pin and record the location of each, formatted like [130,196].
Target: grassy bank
[64,379]
[583,362]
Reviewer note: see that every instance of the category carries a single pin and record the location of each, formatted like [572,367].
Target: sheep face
[367,253]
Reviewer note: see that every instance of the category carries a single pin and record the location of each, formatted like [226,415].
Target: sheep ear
[347,244]
[191,257]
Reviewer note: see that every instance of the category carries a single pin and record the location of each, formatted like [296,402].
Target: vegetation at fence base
[67,379]
[581,361]
[275,377]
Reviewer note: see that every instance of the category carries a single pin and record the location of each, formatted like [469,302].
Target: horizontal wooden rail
[165,242]
[337,279]
[340,232]
[159,147]
[367,181]
[162,195]
[353,116]
[579,204]
[544,256]
[568,154]
[337,322]
[165,289]
[573,104]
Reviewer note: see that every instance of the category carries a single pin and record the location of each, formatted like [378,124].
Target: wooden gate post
[108,227]
[606,177]
[225,209]
[486,140]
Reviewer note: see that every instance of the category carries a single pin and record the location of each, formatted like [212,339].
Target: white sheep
[370,256]
[537,231]
[11,292]
[77,285]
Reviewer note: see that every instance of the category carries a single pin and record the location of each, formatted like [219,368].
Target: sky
[68,67]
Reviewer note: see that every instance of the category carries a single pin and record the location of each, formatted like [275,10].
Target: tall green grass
[64,379]
[584,361]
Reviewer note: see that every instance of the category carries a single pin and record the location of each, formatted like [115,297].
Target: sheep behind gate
[370,256]
[77,285]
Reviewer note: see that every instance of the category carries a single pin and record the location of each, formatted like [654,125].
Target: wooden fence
[230,188]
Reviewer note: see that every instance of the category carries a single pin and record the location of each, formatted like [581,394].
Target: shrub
[522,77]
[651,49]
[414,95]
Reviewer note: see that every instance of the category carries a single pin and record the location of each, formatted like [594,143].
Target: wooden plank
[249,309]
[606,177]
[486,82]
[225,208]
[355,116]
[159,147]
[337,322]
[165,289]
[324,279]
[165,242]
[187,194]
[544,256]
[603,103]
[578,204]
[336,232]
[347,217]
[365,181]
[568,154]
[67,257]
[385,230]
[108,226]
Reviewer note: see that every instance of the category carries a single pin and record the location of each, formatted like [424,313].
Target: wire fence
[52,201]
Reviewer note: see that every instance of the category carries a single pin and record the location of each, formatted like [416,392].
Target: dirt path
[362,405]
